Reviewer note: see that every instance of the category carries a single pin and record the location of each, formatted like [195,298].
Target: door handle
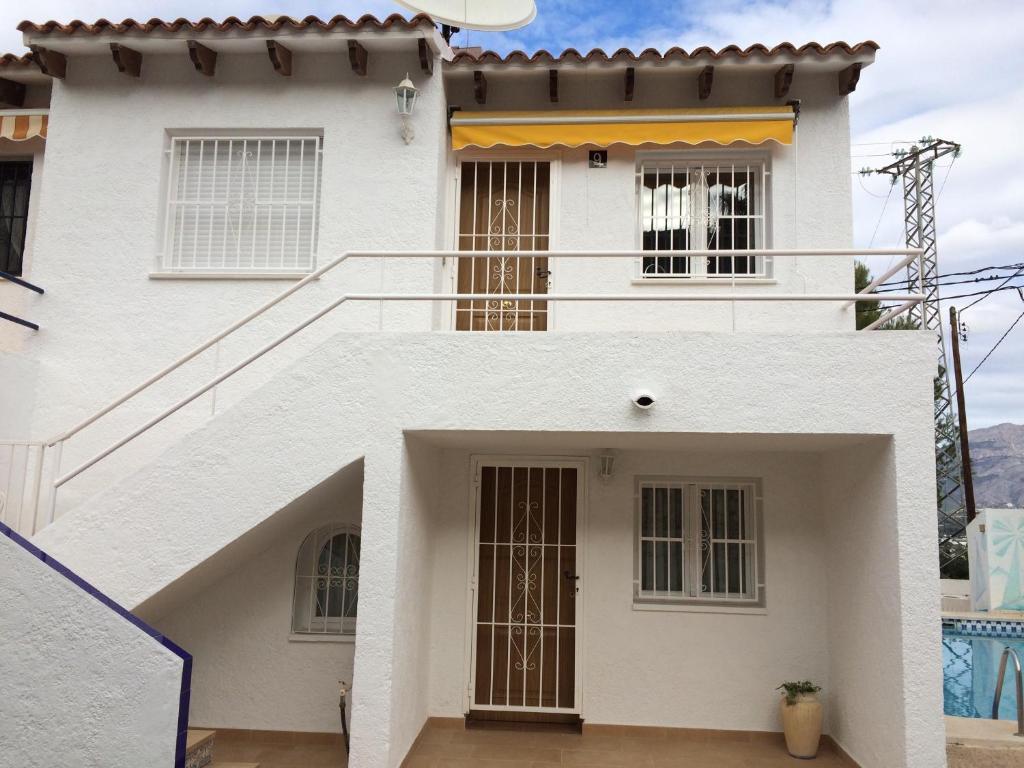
[542,273]
[570,575]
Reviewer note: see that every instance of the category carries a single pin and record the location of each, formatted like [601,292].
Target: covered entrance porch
[655,600]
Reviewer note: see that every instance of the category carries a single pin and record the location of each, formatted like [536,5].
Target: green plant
[795,689]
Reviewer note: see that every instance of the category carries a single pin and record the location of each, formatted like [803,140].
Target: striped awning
[21,125]
[633,127]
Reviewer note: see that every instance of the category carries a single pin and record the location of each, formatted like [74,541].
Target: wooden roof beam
[50,63]
[479,87]
[357,57]
[127,60]
[426,56]
[783,79]
[553,85]
[704,80]
[280,58]
[848,79]
[630,83]
[203,59]
[12,93]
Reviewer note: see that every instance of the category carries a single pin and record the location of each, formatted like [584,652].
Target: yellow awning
[23,125]
[602,128]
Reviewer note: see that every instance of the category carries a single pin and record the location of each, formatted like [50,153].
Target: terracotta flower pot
[801,722]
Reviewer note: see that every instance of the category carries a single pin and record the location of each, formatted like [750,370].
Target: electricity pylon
[914,168]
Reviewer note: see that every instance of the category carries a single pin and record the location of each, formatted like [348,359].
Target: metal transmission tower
[914,168]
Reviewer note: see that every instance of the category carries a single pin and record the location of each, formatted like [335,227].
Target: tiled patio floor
[447,743]
[273,751]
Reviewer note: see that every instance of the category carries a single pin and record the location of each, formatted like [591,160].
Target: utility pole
[961,409]
[914,168]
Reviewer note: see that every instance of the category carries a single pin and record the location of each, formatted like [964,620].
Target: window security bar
[907,300]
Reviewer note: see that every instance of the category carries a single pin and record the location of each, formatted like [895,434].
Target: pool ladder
[1008,653]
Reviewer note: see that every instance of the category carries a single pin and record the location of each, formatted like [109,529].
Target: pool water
[970,665]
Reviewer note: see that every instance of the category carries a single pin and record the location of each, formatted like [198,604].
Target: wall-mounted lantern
[607,467]
[406,94]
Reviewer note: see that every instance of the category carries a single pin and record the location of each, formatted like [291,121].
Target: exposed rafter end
[704,80]
[203,59]
[553,85]
[426,56]
[479,87]
[50,63]
[783,79]
[630,84]
[280,58]
[357,57]
[127,60]
[12,93]
[848,78]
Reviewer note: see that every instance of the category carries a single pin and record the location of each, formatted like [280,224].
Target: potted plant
[801,718]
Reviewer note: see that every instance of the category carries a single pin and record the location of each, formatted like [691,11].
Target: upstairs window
[15,184]
[698,542]
[702,206]
[242,204]
[327,582]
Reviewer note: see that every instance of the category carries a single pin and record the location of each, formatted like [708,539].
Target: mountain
[997,454]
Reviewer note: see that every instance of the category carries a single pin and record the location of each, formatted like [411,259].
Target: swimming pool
[970,664]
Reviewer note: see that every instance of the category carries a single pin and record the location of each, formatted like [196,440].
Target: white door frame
[554,203]
[581,465]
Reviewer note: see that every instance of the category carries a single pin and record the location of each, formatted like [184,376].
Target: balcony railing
[750,293]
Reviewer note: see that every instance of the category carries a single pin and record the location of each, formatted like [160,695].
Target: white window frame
[343,626]
[169,266]
[691,594]
[702,162]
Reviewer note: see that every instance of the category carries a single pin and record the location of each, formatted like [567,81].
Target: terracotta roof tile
[232,23]
[17,60]
[571,55]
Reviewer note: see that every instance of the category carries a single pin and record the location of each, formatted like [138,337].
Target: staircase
[199,752]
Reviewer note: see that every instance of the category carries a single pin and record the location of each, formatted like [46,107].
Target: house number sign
[599,158]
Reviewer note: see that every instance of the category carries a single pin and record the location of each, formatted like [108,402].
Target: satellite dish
[487,15]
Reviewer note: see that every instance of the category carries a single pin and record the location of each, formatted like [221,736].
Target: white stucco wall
[684,669]
[809,205]
[83,687]
[249,670]
[356,394]
[106,325]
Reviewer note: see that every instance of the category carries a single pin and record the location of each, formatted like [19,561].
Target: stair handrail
[908,299]
[1008,652]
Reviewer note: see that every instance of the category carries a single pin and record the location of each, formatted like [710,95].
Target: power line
[994,346]
[983,294]
[904,285]
[998,288]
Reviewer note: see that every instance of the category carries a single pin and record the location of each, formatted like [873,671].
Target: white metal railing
[903,301]
[21,475]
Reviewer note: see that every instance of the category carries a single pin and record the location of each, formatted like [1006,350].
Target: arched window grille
[327,582]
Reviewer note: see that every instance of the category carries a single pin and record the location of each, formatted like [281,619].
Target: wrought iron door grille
[525,644]
[503,206]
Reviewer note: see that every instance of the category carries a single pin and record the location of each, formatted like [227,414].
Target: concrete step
[199,748]
[218,764]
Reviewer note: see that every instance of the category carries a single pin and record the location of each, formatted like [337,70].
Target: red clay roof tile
[231,23]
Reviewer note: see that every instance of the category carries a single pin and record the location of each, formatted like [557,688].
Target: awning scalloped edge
[23,127]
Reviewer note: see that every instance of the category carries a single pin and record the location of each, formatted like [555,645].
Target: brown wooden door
[503,206]
[527,588]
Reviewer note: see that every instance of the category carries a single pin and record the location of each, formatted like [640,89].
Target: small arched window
[327,582]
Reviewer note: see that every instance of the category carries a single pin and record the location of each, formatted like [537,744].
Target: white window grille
[695,206]
[327,582]
[242,204]
[698,542]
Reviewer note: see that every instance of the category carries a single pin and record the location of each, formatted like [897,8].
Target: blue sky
[948,69]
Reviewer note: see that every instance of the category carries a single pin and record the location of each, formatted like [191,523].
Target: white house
[626,463]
